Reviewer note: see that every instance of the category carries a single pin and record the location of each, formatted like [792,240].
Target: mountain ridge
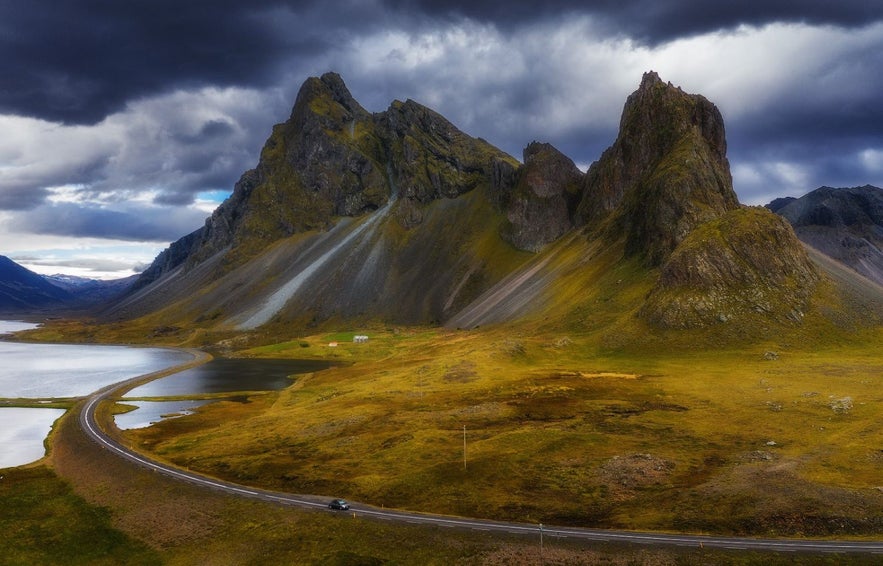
[399,216]
[844,223]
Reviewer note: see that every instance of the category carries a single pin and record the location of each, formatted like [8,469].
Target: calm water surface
[10,326]
[58,370]
[228,376]
[22,432]
[150,412]
[62,370]
[38,371]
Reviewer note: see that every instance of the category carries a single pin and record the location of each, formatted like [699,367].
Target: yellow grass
[560,430]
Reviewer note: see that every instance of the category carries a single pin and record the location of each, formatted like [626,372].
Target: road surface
[90,427]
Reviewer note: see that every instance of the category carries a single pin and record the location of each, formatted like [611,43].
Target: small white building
[360,339]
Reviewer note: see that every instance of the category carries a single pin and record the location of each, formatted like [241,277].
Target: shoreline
[198,357]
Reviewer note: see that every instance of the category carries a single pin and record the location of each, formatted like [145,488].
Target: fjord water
[22,432]
[150,412]
[38,371]
[228,375]
[10,326]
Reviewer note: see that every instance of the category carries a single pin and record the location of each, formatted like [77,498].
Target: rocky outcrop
[845,224]
[429,158]
[746,262]
[541,207]
[666,173]
[437,201]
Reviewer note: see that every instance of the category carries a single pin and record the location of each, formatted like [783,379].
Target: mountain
[351,217]
[92,291]
[666,173]
[845,224]
[347,215]
[23,291]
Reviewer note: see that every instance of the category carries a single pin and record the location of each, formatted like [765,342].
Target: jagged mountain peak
[666,173]
[357,216]
[325,102]
[540,208]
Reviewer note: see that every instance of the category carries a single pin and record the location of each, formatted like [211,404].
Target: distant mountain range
[845,224]
[24,292]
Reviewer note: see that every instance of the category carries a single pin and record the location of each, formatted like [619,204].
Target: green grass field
[558,430]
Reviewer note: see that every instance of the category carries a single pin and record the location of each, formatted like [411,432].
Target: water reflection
[227,376]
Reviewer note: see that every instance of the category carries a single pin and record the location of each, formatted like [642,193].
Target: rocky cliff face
[664,188]
[666,173]
[541,207]
[333,158]
[845,224]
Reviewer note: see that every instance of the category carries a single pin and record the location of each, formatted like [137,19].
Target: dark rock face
[541,207]
[429,158]
[666,173]
[777,204]
[845,224]
[333,158]
[746,262]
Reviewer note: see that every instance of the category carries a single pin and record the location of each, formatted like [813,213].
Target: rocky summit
[666,173]
[400,217]
[540,209]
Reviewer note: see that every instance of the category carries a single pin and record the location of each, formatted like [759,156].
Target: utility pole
[464,447]
[542,559]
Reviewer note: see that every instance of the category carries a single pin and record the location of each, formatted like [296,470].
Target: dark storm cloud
[177,97]
[655,21]
[157,224]
[21,196]
[76,61]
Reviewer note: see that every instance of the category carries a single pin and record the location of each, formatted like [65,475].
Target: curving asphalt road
[90,427]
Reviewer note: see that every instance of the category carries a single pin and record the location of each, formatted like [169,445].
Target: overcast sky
[124,123]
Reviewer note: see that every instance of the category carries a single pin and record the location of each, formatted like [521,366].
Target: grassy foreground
[84,505]
[772,440]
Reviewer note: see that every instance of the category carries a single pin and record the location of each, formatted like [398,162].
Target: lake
[150,412]
[38,371]
[229,375]
[10,326]
[22,432]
